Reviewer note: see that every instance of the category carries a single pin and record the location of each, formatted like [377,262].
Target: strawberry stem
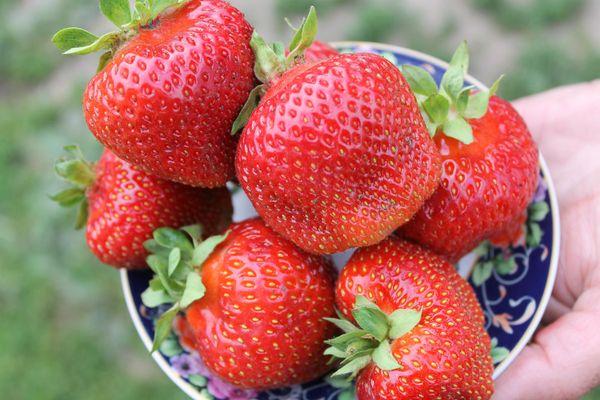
[271,62]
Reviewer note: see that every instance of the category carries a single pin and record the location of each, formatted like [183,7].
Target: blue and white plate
[513,293]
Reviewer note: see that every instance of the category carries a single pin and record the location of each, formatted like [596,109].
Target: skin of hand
[563,360]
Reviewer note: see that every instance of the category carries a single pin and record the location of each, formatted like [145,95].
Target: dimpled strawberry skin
[337,154]
[126,205]
[485,186]
[447,355]
[168,98]
[260,324]
[319,51]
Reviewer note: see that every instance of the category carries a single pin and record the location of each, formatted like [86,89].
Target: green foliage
[543,65]
[530,14]
[376,22]
[287,8]
[593,395]
[24,32]
[64,307]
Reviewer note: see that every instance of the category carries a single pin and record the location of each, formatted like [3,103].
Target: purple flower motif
[187,364]
[223,390]
[540,193]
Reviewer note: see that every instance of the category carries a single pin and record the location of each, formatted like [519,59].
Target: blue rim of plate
[492,293]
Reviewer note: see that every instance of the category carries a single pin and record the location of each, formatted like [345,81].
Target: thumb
[562,363]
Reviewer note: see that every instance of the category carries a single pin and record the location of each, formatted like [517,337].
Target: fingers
[568,106]
[566,126]
[554,311]
[563,363]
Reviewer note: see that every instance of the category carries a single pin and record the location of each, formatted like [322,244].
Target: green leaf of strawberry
[343,324]
[155,298]
[117,11]
[69,38]
[419,80]
[176,258]
[78,41]
[106,41]
[270,62]
[448,108]
[69,197]
[358,347]
[304,37]
[194,289]
[403,321]
[437,107]
[459,129]
[383,357]
[162,330]
[80,174]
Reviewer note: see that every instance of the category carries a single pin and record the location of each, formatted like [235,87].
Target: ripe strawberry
[125,205]
[318,51]
[254,302]
[336,154]
[490,164]
[169,86]
[420,331]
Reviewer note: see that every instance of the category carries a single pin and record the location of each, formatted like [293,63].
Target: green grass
[66,333]
[530,14]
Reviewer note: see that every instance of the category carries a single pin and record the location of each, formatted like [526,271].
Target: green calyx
[80,174]
[176,258]
[128,21]
[448,108]
[370,341]
[271,61]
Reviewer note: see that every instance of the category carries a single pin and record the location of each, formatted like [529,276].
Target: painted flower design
[188,364]
[540,193]
[223,390]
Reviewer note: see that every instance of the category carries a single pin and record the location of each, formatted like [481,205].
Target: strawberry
[170,84]
[125,205]
[490,164]
[336,155]
[420,332]
[253,301]
[318,51]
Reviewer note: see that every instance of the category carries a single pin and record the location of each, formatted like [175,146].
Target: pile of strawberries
[335,151]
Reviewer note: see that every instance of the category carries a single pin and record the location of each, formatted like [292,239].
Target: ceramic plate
[513,294]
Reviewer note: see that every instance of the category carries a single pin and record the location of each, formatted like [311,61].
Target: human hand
[563,361]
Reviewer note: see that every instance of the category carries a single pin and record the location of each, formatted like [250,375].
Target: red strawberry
[254,302]
[490,164]
[125,205]
[177,80]
[319,51]
[336,154]
[420,331]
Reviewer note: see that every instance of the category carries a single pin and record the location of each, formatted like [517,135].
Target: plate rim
[193,393]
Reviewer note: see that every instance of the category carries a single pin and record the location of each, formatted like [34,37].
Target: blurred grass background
[65,330]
